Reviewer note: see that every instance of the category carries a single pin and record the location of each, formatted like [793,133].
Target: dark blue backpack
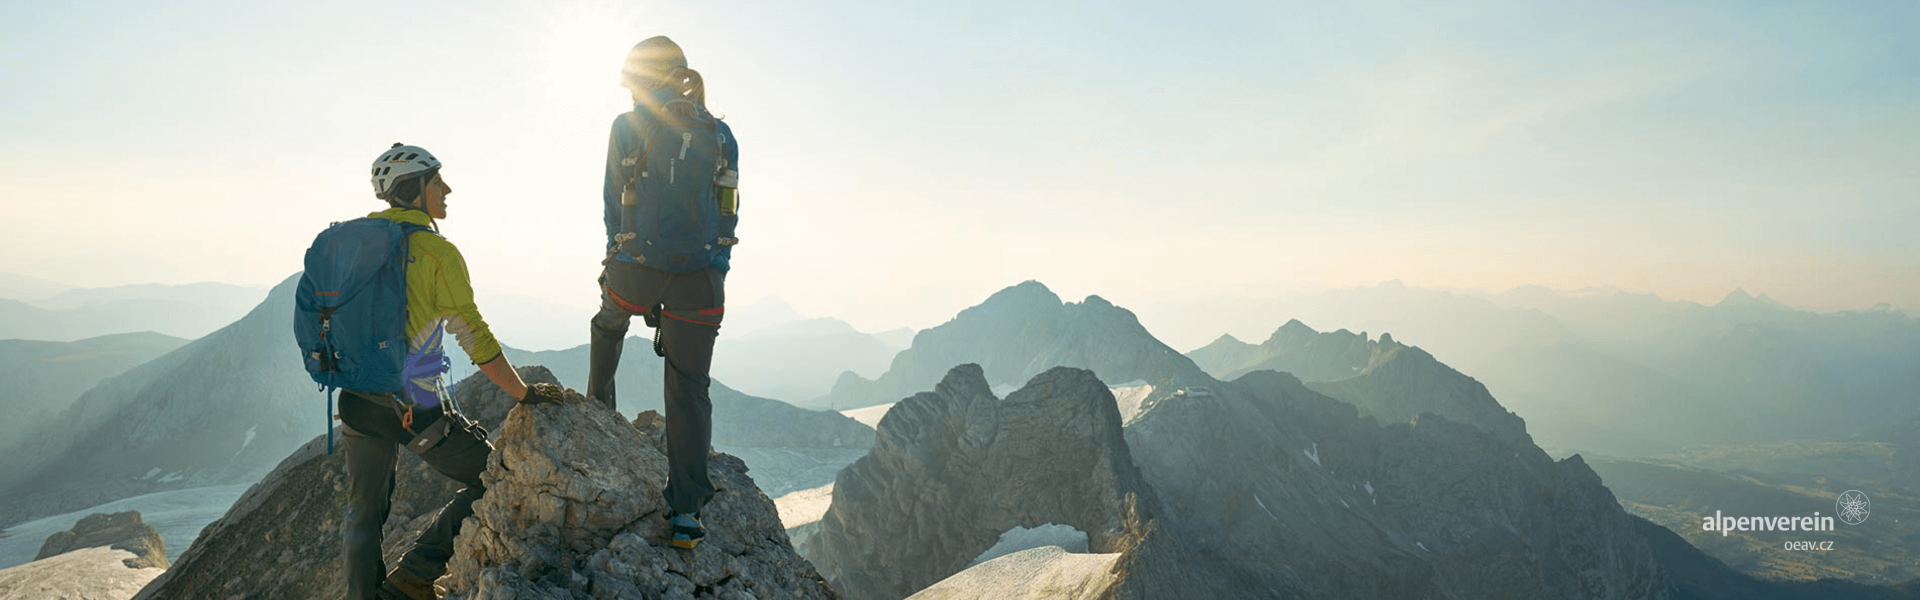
[669,216]
[350,311]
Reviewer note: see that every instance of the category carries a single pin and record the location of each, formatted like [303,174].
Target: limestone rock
[573,510]
[1280,488]
[87,574]
[282,538]
[954,468]
[120,531]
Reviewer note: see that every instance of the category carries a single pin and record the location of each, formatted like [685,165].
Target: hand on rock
[544,392]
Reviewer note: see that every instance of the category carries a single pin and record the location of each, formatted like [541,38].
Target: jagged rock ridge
[1383,377]
[1286,489]
[955,467]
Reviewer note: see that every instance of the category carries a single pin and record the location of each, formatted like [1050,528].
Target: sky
[902,161]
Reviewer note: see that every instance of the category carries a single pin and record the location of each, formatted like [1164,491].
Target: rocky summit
[572,510]
[956,467]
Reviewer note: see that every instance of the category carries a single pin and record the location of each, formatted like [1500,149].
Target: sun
[581,47]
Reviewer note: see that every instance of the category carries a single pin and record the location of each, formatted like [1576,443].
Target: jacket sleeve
[453,298]
[615,176]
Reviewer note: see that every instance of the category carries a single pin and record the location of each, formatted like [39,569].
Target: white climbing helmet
[400,163]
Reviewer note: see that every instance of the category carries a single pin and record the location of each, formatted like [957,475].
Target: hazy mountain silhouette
[220,409]
[798,359]
[28,288]
[39,379]
[1017,333]
[187,311]
[1631,373]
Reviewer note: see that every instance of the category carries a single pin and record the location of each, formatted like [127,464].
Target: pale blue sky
[903,161]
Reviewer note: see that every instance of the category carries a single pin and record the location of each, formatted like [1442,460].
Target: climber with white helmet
[417,412]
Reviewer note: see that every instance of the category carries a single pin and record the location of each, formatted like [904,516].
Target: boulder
[573,510]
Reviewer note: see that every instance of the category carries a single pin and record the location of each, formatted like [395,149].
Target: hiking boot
[406,585]
[687,531]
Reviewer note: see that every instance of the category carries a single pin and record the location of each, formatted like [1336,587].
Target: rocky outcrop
[573,505]
[573,511]
[119,531]
[1016,334]
[282,538]
[1279,488]
[86,574]
[956,467]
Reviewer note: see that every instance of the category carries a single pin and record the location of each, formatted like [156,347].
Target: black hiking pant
[373,435]
[686,309]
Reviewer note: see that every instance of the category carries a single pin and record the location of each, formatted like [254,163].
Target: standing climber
[671,204]
[420,416]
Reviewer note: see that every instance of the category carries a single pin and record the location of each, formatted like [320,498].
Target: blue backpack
[669,215]
[350,310]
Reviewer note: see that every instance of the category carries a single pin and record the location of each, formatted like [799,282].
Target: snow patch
[1343,503]
[1314,453]
[171,477]
[248,442]
[150,473]
[805,506]
[1422,546]
[1066,537]
[1263,506]
[869,416]
[1129,396]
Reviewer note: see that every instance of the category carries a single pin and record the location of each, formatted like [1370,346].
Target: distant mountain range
[40,379]
[1627,373]
[228,406]
[800,360]
[186,311]
[220,409]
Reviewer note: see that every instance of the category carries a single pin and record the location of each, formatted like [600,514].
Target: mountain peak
[1740,298]
[1026,292]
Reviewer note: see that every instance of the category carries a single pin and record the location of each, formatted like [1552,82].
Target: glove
[544,392]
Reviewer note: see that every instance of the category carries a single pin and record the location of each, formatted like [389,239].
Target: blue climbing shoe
[687,530]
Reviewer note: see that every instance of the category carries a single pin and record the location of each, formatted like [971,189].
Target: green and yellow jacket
[439,293]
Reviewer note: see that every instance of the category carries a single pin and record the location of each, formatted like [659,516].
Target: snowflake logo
[1853,507]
